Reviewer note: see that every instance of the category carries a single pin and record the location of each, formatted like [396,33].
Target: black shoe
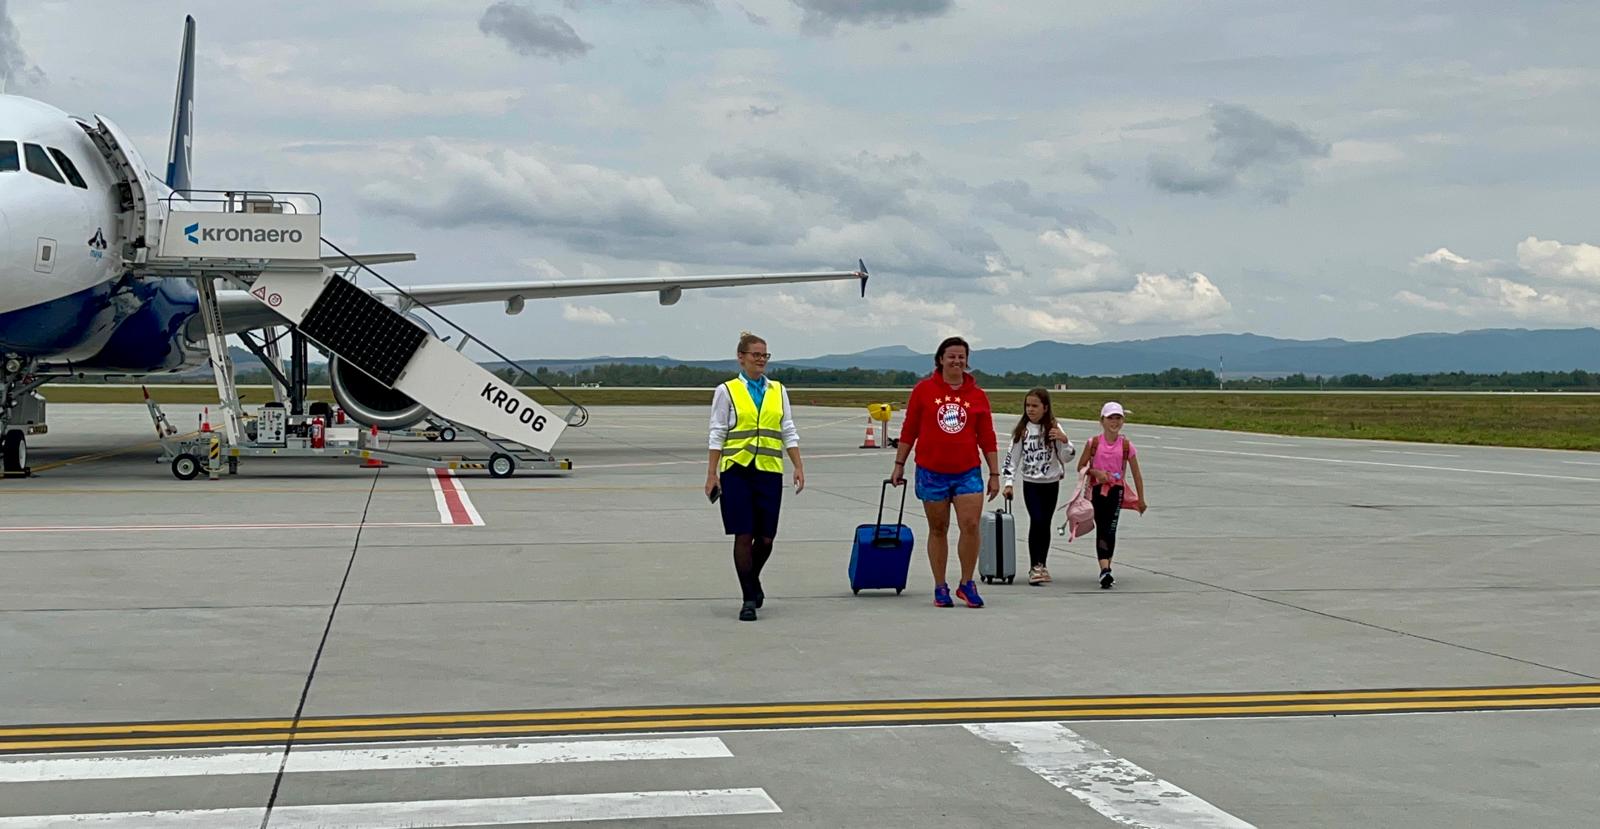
[748,612]
[1106,579]
[761,597]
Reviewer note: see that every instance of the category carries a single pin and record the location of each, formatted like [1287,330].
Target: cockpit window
[39,163]
[9,162]
[69,168]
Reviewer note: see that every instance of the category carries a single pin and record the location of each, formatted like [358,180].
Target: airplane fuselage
[67,298]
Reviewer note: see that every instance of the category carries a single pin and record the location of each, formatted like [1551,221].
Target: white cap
[1112,408]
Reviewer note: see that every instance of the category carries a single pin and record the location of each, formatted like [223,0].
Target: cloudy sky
[1034,169]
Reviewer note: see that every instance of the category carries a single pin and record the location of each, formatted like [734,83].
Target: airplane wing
[242,312]
[670,288]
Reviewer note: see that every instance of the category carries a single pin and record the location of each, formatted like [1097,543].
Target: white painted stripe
[466,500]
[433,814]
[1386,463]
[135,528]
[211,763]
[1423,454]
[1265,443]
[1582,463]
[438,497]
[1109,784]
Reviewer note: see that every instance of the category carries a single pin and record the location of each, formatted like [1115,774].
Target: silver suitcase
[997,549]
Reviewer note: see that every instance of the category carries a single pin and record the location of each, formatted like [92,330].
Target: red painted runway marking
[455,507]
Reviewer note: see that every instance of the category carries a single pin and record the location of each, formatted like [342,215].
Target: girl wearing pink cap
[1108,455]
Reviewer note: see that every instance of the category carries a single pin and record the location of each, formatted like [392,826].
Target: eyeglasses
[757,355]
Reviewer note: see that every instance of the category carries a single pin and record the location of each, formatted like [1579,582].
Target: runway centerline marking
[864,713]
[455,506]
[1111,785]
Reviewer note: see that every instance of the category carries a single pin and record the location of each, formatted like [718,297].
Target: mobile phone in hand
[716,492]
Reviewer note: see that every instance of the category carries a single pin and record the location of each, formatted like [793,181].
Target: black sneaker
[748,612]
[1106,579]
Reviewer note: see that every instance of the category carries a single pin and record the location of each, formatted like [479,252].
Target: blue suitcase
[881,556]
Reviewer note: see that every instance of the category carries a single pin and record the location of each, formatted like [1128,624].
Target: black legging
[1107,509]
[1041,501]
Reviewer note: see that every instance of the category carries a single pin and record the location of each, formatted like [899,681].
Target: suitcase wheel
[856,590]
[898,590]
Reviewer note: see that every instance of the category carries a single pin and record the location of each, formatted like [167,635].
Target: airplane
[74,299]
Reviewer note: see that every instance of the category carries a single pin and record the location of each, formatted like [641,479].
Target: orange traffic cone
[205,421]
[371,462]
[872,442]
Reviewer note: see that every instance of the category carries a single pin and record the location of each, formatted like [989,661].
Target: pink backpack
[1080,511]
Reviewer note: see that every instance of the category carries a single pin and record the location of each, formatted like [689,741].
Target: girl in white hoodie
[1043,454]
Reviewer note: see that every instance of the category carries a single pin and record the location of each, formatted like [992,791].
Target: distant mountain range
[1485,352]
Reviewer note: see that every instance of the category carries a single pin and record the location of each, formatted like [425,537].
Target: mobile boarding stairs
[270,246]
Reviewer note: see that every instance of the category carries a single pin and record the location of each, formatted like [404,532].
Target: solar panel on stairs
[359,328]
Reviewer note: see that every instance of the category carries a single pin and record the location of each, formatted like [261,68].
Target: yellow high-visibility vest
[756,435]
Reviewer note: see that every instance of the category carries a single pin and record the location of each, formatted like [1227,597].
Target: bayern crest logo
[952,418]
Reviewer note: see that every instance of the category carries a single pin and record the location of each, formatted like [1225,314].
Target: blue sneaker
[968,592]
[941,596]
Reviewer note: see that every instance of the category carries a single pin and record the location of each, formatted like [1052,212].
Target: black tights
[1041,501]
[1107,509]
[749,556]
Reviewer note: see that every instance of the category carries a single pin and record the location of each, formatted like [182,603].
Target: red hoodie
[948,426]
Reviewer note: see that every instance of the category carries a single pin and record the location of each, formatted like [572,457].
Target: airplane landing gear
[21,412]
[16,454]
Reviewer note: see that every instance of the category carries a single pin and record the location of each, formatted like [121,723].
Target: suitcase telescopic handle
[884,494]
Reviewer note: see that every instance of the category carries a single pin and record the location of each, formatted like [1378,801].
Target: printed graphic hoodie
[1041,461]
[952,428]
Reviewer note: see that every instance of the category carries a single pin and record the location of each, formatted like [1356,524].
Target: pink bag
[1080,511]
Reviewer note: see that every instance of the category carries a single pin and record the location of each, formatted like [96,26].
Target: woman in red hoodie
[948,420]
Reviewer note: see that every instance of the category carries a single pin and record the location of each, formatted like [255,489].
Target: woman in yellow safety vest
[751,428]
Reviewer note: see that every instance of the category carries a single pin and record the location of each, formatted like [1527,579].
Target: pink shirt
[1108,456]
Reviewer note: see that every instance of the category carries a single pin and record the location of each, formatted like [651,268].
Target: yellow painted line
[103,455]
[929,718]
[1054,703]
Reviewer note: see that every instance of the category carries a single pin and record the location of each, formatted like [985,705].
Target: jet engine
[370,402]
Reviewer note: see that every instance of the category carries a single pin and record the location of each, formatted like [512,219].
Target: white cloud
[541,268]
[1529,303]
[1084,263]
[1048,321]
[888,310]
[588,315]
[1159,297]
[1442,256]
[1553,260]
[1418,301]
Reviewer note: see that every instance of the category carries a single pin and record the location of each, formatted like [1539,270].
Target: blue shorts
[750,501]
[938,486]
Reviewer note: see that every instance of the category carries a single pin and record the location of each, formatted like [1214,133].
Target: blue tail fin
[180,152]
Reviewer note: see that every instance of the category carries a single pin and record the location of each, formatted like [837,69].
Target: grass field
[1532,420]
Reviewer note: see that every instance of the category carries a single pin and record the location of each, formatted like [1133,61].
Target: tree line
[625,375]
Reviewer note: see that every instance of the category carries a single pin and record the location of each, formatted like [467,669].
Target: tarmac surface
[1303,632]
